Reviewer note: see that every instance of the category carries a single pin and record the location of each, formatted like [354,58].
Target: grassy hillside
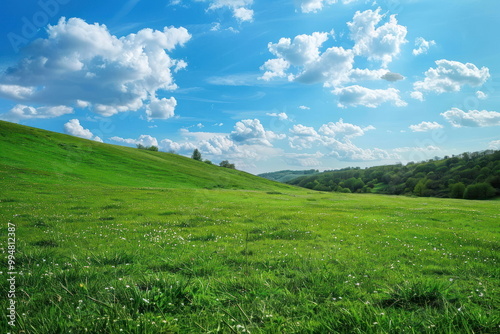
[106,239]
[35,155]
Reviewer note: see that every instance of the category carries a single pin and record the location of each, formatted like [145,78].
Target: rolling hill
[37,155]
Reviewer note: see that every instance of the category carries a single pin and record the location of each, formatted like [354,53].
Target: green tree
[481,190]
[196,155]
[457,190]
[226,164]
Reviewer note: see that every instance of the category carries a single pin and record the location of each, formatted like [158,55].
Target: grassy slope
[112,238]
[34,154]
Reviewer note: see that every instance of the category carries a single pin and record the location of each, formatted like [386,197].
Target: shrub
[457,190]
[481,190]
[226,164]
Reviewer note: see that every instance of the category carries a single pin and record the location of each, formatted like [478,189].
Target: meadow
[118,240]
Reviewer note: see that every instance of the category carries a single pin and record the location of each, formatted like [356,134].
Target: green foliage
[479,191]
[434,178]
[148,148]
[196,155]
[227,164]
[287,175]
[208,162]
[457,190]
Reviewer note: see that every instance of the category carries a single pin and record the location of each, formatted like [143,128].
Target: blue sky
[267,85]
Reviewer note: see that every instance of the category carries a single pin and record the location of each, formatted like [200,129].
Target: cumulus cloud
[313,6]
[240,8]
[425,126]
[381,43]
[422,46]
[417,95]
[343,130]
[302,50]
[392,77]
[74,128]
[252,132]
[335,138]
[451,76]
[356,95]
[274,68]
[81,64]
[347,151]
[302,137]
[145,140]
[281,116]
[21,112]
[495,145]
[332,68]
[473,118]
[303,159]
[161,108]
[312,66]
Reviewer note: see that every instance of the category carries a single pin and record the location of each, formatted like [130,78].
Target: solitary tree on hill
[196,155]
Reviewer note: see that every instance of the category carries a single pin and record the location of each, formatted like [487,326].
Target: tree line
[197,156]
[468,175]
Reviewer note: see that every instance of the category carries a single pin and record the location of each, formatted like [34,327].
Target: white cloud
[302,137]
[342,130]
[481,95]
[20,112]
[347,151]
[252,132]
[16,92]
[74,128]
[145,140]
[161,108]
[472,118]
[336,139]
[304,159]
[495,145]
[243,14]
[429,148]
[392,77]
[332,68]
[417,95]
[275,68]
[84,63]
[353,96]
[377,43]
[281,116]
[422,46]
[169,145]
[313,6]
[304,48]
[425,126]
[304,108]
[239,7]
[451,76]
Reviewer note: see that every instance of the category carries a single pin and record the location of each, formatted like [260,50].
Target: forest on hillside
[287,175]
[468,175]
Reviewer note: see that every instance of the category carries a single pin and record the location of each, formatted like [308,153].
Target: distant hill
[287,175]
[30,155]
[468,175]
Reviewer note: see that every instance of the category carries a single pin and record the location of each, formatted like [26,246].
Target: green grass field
[111,239]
